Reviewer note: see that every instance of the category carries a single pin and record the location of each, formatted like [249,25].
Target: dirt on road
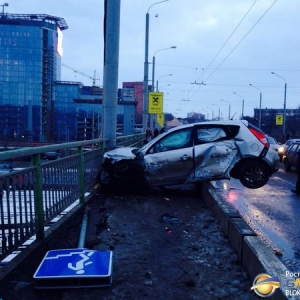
[165,244]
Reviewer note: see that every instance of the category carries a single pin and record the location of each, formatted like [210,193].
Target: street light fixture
[260,99]
[153,63]
[229,108]
[242,104]
[159,78]
[163,86]
[284,102]
[146,68]
[3,5]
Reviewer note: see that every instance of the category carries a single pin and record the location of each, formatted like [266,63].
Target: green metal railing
[32,198]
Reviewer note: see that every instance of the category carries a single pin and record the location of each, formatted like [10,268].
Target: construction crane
[83,74]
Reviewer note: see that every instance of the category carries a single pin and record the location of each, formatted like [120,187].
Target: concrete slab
[238,229]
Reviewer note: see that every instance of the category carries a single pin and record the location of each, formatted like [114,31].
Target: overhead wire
[243,38]
[228,39]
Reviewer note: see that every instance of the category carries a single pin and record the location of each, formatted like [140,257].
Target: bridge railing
[34,197]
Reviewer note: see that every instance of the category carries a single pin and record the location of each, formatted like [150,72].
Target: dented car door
[170,160]
[216,152]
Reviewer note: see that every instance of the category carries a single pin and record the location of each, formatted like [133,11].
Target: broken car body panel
[197,152]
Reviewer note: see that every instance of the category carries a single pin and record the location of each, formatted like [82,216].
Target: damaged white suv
[195,153]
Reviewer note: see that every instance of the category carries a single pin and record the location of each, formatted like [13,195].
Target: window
[207,135]
[173,141]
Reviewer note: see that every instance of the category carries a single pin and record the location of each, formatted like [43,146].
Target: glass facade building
[35,104]
[29,64]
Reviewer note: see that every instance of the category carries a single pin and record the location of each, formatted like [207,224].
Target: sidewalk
[166,245]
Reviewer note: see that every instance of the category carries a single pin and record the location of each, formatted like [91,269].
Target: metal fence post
[81,174]
[38,197]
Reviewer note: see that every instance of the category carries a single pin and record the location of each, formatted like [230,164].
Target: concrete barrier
[254,256]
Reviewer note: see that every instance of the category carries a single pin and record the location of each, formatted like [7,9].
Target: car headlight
[281,149]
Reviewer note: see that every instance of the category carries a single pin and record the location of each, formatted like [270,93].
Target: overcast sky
[226,44]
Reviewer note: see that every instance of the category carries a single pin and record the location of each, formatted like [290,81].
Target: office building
[35,103]
[30,60]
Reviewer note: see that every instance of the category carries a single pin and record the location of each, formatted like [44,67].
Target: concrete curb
[254,256]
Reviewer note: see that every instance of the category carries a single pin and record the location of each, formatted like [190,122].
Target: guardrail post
[38,197]
[81,174]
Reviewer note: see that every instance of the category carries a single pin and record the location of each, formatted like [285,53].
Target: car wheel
[287,165]
[253,174]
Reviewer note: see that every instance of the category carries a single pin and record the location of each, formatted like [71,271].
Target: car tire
[287,165]
[253,174]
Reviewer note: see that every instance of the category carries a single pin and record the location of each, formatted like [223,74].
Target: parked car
[195,153]
[273,143]
[291,156]
[282,149]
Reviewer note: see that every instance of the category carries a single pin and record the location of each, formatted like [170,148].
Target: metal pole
[153,72]
[260,101]
[284,109]
[243,110]
[259,119]
[146,70]
[110,71]
[229,108]
[284,103]
[243,103]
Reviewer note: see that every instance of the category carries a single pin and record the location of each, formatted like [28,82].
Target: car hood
[118,154]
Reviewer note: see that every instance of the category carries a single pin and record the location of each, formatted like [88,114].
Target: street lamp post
[242,104]
[146,69]
[229,108]
[260,99]
[284,102]
[212,112]
[153,63]
[219,111]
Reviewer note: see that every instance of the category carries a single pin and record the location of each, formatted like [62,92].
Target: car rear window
[208,134]
[205,135]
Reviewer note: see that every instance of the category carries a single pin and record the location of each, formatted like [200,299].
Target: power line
[230,69]
[228,39]
[243,38]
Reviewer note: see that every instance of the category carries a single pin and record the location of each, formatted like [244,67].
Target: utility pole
[110,70]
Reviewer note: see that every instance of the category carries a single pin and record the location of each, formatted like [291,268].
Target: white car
[274,144]
[195,153]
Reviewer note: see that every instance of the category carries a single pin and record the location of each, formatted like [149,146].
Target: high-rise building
[35,103]
[30,61]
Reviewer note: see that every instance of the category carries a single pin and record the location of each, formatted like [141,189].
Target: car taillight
[260,136]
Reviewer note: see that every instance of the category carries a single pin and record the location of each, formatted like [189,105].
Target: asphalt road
[272,212]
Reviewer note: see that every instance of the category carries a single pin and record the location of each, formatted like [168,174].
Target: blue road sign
[80,262]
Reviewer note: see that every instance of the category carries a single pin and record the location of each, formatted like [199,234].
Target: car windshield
[146,146]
